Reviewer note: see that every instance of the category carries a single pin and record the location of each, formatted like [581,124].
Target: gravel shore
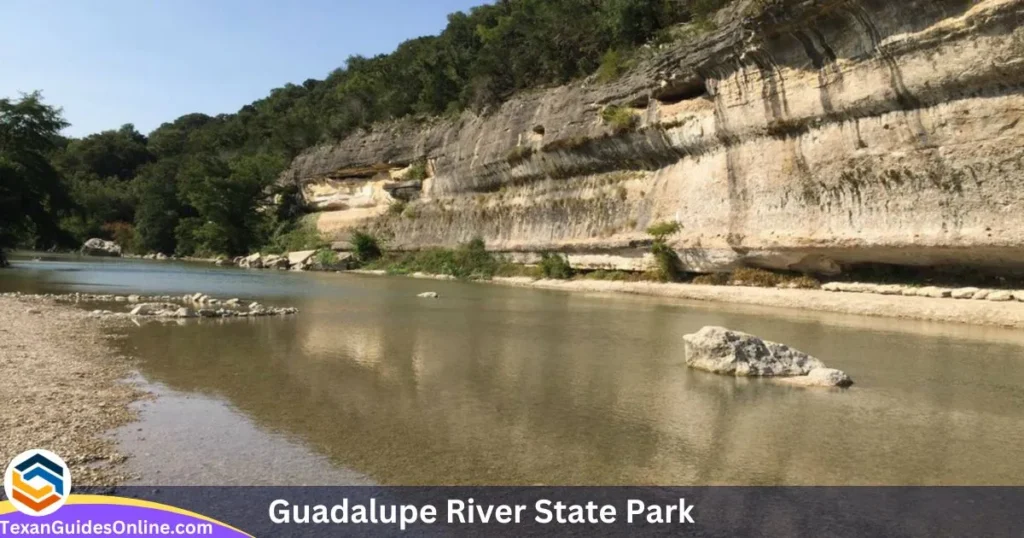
[1008,314]
[63,387]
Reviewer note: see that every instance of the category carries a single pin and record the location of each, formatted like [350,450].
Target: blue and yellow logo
[37,482]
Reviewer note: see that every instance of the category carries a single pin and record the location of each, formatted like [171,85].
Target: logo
[37,482]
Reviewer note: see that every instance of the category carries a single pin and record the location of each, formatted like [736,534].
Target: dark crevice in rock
[683,90]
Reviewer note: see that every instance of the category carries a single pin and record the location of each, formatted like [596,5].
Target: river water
[497,385]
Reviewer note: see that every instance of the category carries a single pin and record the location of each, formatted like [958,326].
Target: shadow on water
[494,385]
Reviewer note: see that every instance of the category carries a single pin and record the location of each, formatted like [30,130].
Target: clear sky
[111,62]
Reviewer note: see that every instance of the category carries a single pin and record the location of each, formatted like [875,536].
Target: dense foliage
[205,185]
[31,192]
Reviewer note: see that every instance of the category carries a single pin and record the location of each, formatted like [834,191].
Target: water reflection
[492,385]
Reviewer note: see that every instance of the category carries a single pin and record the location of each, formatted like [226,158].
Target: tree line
[203,185]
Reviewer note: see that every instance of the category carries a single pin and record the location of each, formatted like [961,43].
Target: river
[498,385]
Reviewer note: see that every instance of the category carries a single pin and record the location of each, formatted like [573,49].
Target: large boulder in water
[101,247]
[727,352]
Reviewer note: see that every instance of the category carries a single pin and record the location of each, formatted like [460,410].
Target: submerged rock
[155,309]
[727,352]
[821,377]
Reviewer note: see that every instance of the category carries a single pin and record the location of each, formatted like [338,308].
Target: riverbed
[500,385]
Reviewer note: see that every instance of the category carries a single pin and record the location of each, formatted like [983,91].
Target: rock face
[101,247]
[807,135]
[723,351]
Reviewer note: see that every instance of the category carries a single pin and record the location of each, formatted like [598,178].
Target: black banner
[604,511]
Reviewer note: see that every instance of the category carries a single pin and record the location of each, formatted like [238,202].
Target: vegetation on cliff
[202,185]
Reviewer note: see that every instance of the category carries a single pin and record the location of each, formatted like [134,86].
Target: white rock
[891,289]
[1019,295]
[184,312]
[275,262]
[724,351]
[252,261]
[1000,296]
[821,377]
[831,286]
[134,299]
[301,259]
[100,247]
[154,309]
[964,293]
[429,295]
[935,292]
[981,295]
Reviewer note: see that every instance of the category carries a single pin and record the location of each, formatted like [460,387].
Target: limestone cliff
[802,134]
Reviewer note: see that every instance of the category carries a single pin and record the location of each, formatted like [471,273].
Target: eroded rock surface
[806,136]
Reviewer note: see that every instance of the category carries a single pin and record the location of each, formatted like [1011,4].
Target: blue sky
[110,62]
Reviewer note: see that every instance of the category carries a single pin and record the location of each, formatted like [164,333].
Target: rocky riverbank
[63,386]
[196,305]
[926,307]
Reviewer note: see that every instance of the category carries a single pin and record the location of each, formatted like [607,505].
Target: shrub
[468,261]
[621,119]
[123,234]
[668,262]
[613,64]
[555,266]
[365,247]
[508,269]
[669,269]
[662,230]
[326,259]
[302,236]
[417,171]
[397,207]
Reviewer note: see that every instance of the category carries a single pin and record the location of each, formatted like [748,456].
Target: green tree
[31,193]
[230,199]
[159,210]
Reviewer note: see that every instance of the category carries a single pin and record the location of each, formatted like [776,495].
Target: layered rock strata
[804,135]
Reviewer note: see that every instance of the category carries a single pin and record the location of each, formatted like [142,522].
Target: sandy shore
[62,387]
[985,313]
